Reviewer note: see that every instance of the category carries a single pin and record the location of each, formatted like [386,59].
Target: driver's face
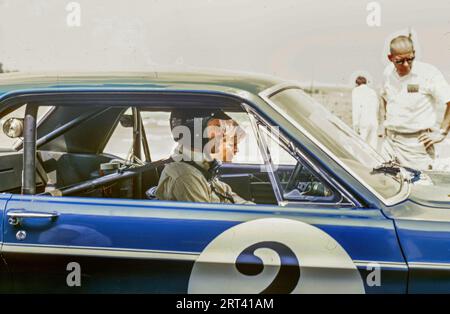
[230,148]
[225,135]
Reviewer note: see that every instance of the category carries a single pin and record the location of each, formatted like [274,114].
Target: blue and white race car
[79,153]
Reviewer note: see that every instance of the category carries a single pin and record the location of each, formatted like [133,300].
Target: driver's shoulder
[180,170]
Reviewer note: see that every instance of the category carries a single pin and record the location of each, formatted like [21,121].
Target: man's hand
[429,139]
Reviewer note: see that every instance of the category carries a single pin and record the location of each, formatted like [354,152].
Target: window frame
[247,107]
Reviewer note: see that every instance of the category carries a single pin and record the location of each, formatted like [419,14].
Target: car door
[94,245]
[97,245]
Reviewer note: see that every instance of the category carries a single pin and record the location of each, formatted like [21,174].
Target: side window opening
[247,173]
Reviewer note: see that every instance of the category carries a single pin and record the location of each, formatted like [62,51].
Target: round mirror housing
[13,127]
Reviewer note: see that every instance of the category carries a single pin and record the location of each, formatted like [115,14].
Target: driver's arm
[226,189]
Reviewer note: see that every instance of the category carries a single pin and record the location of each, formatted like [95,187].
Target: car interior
[72,159]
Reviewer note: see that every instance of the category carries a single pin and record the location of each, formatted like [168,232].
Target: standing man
[411,93]
[365,105]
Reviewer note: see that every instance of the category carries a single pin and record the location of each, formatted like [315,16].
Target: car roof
[198,80]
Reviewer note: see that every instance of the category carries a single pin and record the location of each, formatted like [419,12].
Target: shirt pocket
[413,101]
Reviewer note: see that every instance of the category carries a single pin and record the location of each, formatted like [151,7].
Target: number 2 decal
[287,277]
[274,255]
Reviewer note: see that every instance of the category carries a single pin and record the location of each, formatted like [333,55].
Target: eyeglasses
[402,61]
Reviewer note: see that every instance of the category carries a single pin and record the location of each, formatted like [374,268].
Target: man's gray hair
[401,43]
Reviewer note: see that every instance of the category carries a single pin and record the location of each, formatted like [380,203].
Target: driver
[205,138]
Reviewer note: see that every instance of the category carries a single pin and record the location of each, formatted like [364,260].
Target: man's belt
[408,134]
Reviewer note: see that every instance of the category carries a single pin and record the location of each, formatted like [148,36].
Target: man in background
[365,109]
[411,92]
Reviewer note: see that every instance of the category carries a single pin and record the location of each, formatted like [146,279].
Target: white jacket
[365,107]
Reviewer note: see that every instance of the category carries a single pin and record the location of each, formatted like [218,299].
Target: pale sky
[327,41]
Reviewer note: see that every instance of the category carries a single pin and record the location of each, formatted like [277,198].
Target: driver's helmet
[195,121]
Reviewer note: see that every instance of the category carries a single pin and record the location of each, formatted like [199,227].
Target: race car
[80,153]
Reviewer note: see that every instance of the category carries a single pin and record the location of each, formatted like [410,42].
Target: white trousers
[407,149]
[369,135]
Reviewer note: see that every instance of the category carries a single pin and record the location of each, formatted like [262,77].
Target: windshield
[336,137]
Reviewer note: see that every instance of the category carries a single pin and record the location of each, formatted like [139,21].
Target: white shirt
[365,107]
[412,100]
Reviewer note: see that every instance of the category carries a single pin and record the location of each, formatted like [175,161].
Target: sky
[325,41]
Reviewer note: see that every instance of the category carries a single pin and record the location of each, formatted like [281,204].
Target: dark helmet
[189,118]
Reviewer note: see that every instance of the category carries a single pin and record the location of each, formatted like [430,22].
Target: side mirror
[126,120]
[13,127]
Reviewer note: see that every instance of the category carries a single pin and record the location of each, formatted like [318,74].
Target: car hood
[434,191]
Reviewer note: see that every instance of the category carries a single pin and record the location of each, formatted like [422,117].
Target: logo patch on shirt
[413,88]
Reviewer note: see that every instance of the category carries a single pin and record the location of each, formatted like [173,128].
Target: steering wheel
[292,181]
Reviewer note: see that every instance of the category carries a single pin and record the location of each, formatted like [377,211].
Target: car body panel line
[98,251]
